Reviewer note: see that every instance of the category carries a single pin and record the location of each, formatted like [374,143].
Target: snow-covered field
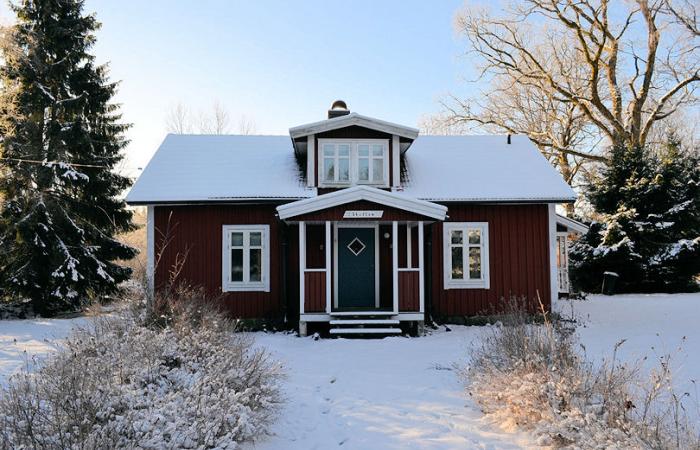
[25,341]
[404,393]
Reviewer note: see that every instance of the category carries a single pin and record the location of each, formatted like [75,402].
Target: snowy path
[21,341]
[394,393]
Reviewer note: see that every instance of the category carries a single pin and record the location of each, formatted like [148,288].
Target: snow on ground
[23,341]
[652,324]
[393,393]
[403,393]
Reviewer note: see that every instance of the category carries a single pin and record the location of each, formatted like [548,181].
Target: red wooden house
[354,222]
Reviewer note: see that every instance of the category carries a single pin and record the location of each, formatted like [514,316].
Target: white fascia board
[356,193]
[571,224]
[353,119]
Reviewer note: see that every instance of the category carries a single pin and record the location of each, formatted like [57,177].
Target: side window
[245,258]
[466,254]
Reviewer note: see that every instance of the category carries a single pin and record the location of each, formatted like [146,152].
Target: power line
[46,163]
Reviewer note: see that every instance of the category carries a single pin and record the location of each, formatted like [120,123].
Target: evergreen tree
[61,139]
[650,233]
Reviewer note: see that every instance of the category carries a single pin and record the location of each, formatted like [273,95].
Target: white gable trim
[353,119]
[572,225]
[357,193]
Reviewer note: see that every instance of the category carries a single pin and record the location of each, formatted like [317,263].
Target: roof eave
[350,120]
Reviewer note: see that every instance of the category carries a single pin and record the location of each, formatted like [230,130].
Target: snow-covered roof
[201,168]
[353,119]
[192,168]
[572,225]
[481,168]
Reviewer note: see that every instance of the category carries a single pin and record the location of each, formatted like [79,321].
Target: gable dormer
[348,149]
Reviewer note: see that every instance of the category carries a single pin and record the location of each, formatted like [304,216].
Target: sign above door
[350,214]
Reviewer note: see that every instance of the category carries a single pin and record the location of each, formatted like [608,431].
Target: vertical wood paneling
[409,285]
[195,235]
[518,259]
[315,291]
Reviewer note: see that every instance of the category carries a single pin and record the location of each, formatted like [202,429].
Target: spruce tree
[649,202]
[62,138]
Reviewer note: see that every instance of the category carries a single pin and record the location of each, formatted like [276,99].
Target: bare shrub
[128,381]
[531,376]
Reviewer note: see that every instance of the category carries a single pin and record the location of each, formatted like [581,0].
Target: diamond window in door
[356,246]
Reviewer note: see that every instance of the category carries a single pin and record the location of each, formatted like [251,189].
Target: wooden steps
[365,325]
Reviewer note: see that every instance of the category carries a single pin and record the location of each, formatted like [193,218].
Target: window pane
[363,150]
[255,238]
[474,236]
[328,150]
[474,263]
[457,266]
[237,264]
[343,150]
[328,169]
[456,236]
[363,169]
[377,169]
[255,264]
[378,150]
[344,169]
[236,239]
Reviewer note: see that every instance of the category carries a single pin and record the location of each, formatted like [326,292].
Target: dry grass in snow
[536,377]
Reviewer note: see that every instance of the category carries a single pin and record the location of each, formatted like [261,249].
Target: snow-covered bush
[126,381]
[532,376]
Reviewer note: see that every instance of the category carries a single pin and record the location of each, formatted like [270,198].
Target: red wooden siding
[518,259]
[409,291]
[336,213]
[195,232]
[315,291]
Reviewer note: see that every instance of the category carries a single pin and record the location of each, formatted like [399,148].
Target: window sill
[467,285]
[245,288]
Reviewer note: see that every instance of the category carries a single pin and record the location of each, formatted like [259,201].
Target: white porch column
[328,267]
[395,263]
[409,247]
[421,266]
[302,264]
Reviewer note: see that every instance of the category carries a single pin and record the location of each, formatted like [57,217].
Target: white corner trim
[357,193]
[302,265]
[349,120]
[150,248]
[553,270]
[421,267]
[395,265]
[395,161]
[311,161]
[329,281]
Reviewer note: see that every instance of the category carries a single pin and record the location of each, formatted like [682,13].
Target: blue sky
[280,63]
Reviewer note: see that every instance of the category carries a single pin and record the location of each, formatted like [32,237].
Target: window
[466,255]
[246,258]
[345,162]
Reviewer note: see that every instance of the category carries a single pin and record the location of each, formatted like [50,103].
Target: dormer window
[346,162]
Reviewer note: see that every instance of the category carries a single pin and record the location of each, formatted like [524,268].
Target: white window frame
[354,163]
[245,286]
[467,283]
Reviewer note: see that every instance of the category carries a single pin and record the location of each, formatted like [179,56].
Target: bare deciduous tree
[629,73]
[180,120]
[685,12]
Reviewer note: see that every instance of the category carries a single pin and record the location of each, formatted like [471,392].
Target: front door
[356,267]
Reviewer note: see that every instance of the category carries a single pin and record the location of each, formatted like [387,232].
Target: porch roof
[572,225]
[362,193]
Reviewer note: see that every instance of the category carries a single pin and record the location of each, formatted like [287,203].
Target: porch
[361,259]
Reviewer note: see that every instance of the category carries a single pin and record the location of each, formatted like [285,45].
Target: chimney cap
[338,108]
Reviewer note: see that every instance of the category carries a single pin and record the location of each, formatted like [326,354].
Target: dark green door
[356,268]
